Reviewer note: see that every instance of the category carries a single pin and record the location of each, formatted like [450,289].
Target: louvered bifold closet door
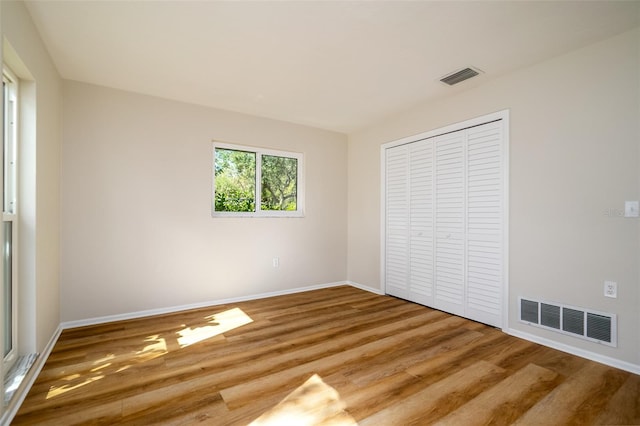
[445,213]
[421,221]
[397,222]
[485,188]
[449,223]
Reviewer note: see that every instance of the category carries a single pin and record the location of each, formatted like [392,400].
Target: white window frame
[9,209]
[259,152]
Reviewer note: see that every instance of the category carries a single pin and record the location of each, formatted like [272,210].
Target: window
[9,216]
[256,182]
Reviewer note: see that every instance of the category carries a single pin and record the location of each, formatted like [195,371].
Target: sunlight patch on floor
[152,347]
[100,367]
[156,347]
[75,384]
[104,359]
[219,323]
[313,403]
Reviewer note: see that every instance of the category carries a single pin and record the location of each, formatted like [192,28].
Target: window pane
[7,255]
[235,181]
[9,145]
[279,183]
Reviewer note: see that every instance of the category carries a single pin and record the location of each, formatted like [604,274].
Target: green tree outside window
[279,183]
[235,179]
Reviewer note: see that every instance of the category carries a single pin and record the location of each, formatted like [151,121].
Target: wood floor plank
[163,396]
[366,373]
[295,335]
[438,399]
[390,362]
[245,392]
[313,403]
[325,351]
[195,406]
[562,363]
[101,414]
[513,354]
[442,365]
[364,401]
[624,406]
[505,402]
[115,385]
[566,404]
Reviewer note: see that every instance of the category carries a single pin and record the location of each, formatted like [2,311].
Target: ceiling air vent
[460,76]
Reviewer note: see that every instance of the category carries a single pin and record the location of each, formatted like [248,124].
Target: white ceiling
[337,65]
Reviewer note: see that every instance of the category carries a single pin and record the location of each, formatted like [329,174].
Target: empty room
[320,212]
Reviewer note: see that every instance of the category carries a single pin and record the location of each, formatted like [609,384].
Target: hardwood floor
[334,356]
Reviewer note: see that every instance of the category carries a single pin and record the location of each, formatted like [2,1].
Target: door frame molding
[502,115]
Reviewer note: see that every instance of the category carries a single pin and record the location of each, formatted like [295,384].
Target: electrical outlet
[611,289]
[276,262]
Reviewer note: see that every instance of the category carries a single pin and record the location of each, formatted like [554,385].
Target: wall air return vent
[529,311]
[550,315]
[460,76]
[579,322]
[573,321]
[599,327]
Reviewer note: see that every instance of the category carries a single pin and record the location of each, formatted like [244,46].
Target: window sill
[16,375]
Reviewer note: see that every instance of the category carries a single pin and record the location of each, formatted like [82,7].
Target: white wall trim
[493,116]
[366,288]
[612,362]
[171,309]
[30,378]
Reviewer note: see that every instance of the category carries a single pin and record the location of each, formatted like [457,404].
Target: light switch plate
[631,209]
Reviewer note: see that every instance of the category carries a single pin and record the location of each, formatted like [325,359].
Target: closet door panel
[485,195]
[421,221]
[397,222]
[449,222]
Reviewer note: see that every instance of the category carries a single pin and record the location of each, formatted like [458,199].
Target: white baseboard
[171,309]
[30,378]
[366,288]
[612,362]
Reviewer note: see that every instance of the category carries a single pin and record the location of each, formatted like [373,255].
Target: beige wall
[574,155]
[137,231]
[39,186]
